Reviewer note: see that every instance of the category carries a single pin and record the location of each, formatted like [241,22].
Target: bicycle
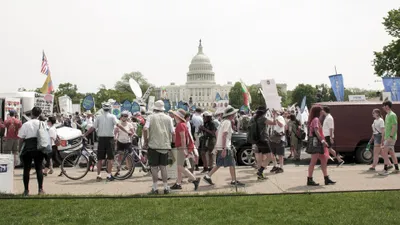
[125,162]
[78,163]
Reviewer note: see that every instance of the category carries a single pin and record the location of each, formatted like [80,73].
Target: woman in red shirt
[182,142]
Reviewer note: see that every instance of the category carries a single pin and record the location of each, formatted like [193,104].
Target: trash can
[6,174]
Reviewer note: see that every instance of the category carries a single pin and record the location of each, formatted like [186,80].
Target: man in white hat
[225,155]
[157,133]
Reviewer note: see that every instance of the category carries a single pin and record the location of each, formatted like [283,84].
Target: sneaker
[384,173]
[208,180]
[176,187]
[98,179]
[196,184]
[51,171]
[279,170]
[111,178]
[166,191]
[390,167]
[340,163]
[154,192]
[274,169]
[238,183]
[260,176]
[371,169]
[205,170]
[25,194]
[41,192]
[196,168]
[395,171]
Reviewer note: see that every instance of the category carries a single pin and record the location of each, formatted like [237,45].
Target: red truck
[353,130]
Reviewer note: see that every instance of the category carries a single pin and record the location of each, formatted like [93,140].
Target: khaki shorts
[11,146]
[390,144]
[180,158]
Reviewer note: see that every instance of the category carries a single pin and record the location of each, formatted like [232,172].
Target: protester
[208,141]
[182,143]
[389,139]
[328,129]
[378,128]
[158,133]
[317,147]
[278,141]
[29,150]
[13,124]
[223,149]
[105,126]
[48,167]
[197,121]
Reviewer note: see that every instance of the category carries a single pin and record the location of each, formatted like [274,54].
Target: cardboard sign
[150,104]
[45,102]
[270,94]
[65,104]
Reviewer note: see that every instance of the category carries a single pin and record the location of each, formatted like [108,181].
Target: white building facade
[200,84]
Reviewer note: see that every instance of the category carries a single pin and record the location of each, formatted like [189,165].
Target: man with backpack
[257,135]
[243,123]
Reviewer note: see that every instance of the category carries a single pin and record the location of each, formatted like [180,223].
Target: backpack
[244,123]
[253,134]
[300,134]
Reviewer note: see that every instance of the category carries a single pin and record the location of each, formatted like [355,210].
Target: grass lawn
[321,209]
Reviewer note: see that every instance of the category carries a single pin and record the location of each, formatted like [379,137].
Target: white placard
[386,95]
[65,104]
[357,98]
[76,108]
[45,102]
[270,94]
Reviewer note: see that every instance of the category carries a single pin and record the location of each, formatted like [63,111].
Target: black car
[244,152]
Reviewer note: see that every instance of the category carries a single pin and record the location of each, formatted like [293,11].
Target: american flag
[45,66]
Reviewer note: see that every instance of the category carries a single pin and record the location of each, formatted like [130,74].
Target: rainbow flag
[47,87]
[246,95]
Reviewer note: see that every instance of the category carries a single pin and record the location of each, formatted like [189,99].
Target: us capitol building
[200,84]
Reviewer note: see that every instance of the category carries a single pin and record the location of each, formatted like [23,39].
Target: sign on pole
[45,102]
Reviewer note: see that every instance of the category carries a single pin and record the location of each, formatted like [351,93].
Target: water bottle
[368,147]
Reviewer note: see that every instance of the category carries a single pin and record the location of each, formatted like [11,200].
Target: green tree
[256,96]
[387,62]
[123,84]
[285,100]
[236,96]
[104,94]
[302,90]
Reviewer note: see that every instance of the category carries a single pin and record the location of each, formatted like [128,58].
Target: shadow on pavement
[305,188]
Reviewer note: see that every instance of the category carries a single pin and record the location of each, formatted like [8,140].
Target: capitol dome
[200,68]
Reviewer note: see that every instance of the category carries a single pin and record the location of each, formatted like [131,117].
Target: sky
[94,42]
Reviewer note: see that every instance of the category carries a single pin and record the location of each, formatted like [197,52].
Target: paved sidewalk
[349,177]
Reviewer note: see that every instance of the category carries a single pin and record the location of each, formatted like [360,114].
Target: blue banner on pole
[126,106]
[135,107]
[303,104]
[88,102]
[218,97]
[182,105]
[337,86]
[392,85]
[226,97]
[167,105]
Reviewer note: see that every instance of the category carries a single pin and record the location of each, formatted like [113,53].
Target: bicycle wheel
[123,166]
[75,165]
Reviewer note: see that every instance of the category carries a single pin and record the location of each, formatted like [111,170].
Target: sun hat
[180,113]
[207,114]
[106,106]
[88,112]
[261,110]
[229,111]
[159,106]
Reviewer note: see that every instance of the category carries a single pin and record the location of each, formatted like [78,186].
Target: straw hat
[180,113]
[229,111]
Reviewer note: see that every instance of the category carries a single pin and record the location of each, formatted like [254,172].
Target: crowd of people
[198,136]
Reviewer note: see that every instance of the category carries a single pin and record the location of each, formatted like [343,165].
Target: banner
[116,109]
[126,106]
[167,105]
[88,102]
[12,104]
[135,107]
[150,103]
[303,104]
[337,86]
[392,85]
[45,102]
[226,97]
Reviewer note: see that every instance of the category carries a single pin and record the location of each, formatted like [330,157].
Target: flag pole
[335,70]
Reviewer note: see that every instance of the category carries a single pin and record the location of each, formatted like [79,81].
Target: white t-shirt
[29,129]
[105,125]
[224,127]
[279,129]
[197,121]
[378,125]
[328,124]
[53,134]
[122,136]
